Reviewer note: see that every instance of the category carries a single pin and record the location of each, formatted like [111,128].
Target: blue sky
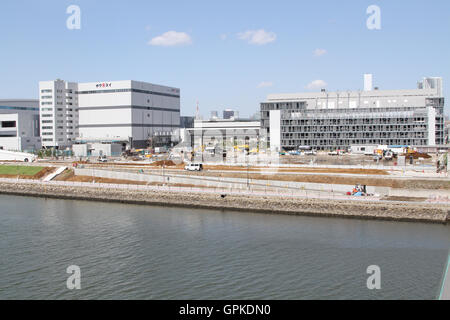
[225,54]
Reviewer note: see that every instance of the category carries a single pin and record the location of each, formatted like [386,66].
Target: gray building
[186,122]
[338,120]
[447,132]
[230,114]
[19,125]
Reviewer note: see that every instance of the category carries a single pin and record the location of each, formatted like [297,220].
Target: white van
[194,167]
[16,156]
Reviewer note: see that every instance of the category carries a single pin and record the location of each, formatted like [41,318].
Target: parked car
[194,167]
[310,153]
[389,155]
[102,159]
[377,157]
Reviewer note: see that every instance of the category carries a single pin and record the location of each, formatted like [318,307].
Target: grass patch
[19,170]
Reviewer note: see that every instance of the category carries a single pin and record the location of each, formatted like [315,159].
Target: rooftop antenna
[197,113]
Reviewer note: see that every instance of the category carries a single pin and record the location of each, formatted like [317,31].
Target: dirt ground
[172,166]
[167,163]
[325,159]
[325,179]
[69,175]
[330,179]
[309,170]
[409,199]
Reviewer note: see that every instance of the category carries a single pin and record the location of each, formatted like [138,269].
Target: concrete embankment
[413,212]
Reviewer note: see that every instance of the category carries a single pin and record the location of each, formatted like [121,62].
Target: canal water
[141,252]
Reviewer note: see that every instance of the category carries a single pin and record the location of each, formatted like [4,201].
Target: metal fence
[243,190]
[288,193]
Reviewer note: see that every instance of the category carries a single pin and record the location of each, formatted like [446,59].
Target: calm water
[137,252]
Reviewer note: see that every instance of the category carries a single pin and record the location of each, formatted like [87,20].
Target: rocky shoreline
[389,211]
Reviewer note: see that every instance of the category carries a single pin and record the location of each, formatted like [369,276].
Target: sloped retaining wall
[435,213]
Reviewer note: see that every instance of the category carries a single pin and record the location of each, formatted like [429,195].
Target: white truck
[102,158]
[160,150]
[194,167]
[16,156]
[363,150]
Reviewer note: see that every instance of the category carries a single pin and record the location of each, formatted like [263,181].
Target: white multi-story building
[19,125]
[127,111]
[58,101]
[338,120]
[224,134]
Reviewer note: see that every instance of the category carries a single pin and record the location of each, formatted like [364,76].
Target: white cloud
[171,38]
[319,52]
[265,84]
[258,37]
[223,36]
[316,84]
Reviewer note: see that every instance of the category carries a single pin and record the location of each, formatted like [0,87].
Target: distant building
[58,102]
[129,111]
[338,120]
[447,132]
[256,116]
[126,112]
[214,114]
[186,122]
[230,114]
[19,125]
[224,133]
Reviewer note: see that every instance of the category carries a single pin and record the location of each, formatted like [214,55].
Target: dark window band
[129,107]
[129,90]
[120,125]
[19,108]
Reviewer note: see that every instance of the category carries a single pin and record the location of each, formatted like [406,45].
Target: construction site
[321,175]
[341,184]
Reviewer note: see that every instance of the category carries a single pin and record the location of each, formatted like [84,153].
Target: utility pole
[248,181]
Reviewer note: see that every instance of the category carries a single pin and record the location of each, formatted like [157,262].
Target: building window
[8,124]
